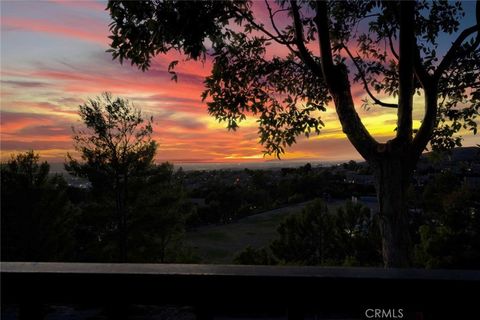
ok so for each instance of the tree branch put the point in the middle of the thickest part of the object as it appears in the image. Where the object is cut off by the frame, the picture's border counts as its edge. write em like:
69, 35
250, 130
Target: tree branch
453, 53
274, 26
406, 70
339, 87
425, 131
365, 83
392, 48
321, 20
278, 11
304, 54
420, 71
430, 84
279, 39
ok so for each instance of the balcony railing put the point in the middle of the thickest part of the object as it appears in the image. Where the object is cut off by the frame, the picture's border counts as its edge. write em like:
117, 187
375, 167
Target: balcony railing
213, 291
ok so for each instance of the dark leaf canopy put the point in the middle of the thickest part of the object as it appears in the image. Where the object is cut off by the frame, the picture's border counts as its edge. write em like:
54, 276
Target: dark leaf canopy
115, 142
143, 29
280, 91
286, 91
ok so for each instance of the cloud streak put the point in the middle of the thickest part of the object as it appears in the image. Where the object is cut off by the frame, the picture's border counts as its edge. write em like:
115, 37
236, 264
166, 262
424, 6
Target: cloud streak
43, 87
96, 34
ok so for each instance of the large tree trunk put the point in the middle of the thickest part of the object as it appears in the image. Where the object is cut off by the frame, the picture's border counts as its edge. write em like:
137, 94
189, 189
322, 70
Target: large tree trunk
394, 161
393, 174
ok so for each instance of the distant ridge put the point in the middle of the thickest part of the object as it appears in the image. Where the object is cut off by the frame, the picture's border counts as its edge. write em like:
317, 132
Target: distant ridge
456, 154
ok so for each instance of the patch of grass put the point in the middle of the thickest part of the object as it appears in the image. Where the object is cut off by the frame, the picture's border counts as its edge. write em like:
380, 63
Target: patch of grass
220, 243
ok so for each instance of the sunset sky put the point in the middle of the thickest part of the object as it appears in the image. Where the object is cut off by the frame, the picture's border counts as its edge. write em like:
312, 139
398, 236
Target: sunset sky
53, 58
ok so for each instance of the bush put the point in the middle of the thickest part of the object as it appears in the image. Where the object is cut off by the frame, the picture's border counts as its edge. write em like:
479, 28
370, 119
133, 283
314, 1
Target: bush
252, 256
317, 237
450, 235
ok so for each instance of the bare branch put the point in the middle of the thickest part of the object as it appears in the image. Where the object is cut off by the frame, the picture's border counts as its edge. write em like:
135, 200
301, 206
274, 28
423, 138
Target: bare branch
260, 27
272, 15
272, 20
392, 48
365, 83
278, 11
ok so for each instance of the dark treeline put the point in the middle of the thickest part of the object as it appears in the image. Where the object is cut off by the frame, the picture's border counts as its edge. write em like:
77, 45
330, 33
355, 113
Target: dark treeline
444, 220
133, 210
227, 195
46, 219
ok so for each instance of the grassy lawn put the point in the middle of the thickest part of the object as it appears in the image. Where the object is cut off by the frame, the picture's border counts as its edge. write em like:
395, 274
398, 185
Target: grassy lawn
220, 243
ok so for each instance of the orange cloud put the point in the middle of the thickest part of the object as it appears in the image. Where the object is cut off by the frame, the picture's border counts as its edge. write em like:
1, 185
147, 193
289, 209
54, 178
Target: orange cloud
12, 122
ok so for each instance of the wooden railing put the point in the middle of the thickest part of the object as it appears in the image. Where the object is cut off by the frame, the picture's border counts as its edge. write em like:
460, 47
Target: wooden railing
250, 291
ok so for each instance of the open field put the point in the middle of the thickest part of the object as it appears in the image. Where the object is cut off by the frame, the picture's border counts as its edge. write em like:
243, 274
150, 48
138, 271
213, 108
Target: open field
220, 243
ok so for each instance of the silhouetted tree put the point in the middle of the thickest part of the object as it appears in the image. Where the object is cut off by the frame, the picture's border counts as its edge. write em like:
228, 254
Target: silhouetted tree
318, 237
286, 92
115, 147
449, 236
357, 235
308, 238
37, 217
158, 225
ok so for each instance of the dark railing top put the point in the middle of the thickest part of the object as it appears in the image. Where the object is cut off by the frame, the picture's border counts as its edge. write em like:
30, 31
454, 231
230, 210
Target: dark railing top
232, 289
239, 271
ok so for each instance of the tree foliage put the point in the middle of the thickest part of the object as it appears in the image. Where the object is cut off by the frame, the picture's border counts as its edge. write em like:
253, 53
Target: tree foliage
319, 237
158, 223
284, 91
37, 217
114, 144
449, 234
308, 238
116, 148
391, 48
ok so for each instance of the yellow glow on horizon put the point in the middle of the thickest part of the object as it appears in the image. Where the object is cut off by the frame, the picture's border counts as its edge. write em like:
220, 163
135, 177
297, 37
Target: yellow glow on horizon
237, 156
45, 154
